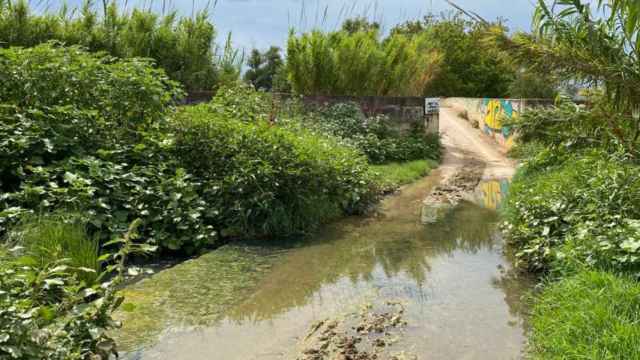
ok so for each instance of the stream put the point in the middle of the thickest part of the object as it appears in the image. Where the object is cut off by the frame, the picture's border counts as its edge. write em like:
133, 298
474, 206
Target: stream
251, 301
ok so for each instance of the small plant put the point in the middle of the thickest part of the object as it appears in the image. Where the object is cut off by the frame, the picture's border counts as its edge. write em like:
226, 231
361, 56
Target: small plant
49, 238
464, 114
46, 312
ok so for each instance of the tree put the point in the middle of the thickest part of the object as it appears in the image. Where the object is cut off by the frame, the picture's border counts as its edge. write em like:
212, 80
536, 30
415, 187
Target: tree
470, 67
263, 68
360, 24
601, 49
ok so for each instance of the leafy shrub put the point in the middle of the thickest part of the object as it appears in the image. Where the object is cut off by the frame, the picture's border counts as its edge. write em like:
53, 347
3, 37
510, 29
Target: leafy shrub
565, 125
129, 94
46, 312
41, 136
375, 138
86, 133
592, 315
581, 210
109, 195
269, 179
241, 102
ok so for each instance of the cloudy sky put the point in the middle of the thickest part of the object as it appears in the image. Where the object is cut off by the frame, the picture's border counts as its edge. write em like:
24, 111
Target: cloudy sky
261, 23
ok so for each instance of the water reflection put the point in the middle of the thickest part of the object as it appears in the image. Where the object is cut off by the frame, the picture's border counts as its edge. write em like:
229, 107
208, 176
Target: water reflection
492, 192
462, 298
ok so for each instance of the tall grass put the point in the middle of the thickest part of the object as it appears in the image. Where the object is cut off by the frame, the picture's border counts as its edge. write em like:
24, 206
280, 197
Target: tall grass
50, 238
359, 63
183, 46
593, 315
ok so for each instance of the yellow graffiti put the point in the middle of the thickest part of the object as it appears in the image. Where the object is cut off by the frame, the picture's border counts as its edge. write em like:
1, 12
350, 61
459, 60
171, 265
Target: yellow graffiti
496, 111
492, 193
493, 115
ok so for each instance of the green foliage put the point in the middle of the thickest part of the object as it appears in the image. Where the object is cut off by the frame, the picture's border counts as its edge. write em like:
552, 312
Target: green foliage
109, 195
242, 102
359, 24
592, 315
359, 63
567, 209
99, 148
567, 125
46, 312
393, 175
127, 93
469, 67
529, 84
269, 179
582, 46
264, 68
47, 239
182, 46
375, 137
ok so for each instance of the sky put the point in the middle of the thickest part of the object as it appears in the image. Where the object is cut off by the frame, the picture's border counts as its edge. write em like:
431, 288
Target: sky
262, 23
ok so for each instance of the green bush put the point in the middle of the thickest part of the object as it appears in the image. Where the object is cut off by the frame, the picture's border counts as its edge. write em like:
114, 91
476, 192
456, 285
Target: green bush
566, 125
592, 315
375, 137
182, 46
86, 133
47, 312
583, 209
128, 94
218, 169
110, 195
269, 179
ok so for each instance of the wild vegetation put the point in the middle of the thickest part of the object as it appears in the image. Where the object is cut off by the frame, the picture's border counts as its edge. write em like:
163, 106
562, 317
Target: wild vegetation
433, 56
92, 146
266, 70
375, 137
572, 210
183, 46
47, 310
359, 63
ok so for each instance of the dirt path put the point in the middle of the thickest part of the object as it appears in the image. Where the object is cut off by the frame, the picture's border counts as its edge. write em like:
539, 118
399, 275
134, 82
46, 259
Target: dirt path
465, 145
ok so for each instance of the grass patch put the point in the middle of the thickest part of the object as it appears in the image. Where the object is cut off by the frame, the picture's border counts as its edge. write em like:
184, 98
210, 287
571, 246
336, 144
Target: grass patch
48, 239
592, 315
397, 174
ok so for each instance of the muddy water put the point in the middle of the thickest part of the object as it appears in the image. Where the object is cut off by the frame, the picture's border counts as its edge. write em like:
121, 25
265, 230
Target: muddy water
462, 301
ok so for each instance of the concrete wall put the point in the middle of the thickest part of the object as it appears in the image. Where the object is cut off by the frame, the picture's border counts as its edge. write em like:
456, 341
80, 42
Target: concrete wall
489, 114
403, 111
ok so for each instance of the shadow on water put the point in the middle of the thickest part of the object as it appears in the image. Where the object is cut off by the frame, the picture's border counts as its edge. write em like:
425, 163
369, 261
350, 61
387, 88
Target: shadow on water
463, 301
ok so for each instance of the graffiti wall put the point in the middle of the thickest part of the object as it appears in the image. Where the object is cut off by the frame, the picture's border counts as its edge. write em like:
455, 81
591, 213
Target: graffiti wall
491, 116
496, 113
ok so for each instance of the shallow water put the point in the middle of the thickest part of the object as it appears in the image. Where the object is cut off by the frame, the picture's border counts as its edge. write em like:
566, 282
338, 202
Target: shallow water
462, 301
